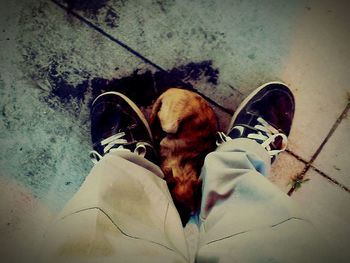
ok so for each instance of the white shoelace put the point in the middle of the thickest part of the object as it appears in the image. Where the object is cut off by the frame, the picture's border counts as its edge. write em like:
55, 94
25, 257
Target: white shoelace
117, 139
265, 133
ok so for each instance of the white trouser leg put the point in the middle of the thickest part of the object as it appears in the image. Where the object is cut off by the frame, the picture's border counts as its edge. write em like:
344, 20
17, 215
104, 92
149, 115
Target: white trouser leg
245, 218
123, 212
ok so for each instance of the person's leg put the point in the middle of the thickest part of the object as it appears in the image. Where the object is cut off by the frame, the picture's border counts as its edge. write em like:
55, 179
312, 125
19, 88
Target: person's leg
244, 217
123, 212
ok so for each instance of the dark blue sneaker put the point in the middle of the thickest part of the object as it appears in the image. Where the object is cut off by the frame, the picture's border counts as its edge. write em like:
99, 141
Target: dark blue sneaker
117, 124
265, 116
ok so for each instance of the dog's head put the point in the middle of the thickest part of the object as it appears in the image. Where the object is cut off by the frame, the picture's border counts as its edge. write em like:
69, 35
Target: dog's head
177, 110
173, 107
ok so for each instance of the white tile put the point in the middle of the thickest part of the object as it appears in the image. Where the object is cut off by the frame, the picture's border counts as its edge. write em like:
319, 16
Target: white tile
334, 159
318, 71
328, 207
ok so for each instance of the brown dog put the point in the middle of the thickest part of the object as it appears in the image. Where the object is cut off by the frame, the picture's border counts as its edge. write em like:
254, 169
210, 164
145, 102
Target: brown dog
184, 128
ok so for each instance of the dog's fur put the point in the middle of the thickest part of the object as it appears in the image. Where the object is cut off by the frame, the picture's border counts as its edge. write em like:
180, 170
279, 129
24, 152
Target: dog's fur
184, 127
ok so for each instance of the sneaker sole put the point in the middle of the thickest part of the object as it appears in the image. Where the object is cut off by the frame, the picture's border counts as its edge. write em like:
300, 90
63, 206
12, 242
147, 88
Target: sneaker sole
132, 105
247, 99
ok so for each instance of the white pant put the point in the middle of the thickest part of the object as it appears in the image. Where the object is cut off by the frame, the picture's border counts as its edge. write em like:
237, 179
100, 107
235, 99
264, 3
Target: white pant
123, 212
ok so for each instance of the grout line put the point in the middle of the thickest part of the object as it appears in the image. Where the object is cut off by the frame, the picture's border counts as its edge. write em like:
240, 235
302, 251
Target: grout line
296, 156
334, 127
101, 31
331, 179
137, 54
318, 171
308, 165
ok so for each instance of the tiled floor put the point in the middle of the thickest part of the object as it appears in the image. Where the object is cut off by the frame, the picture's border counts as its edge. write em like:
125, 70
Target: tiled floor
57, 55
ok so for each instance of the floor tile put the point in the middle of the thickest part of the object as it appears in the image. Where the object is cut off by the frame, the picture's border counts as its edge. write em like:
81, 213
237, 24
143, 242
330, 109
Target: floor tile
49, 69
334, 158
328, 207
318, 70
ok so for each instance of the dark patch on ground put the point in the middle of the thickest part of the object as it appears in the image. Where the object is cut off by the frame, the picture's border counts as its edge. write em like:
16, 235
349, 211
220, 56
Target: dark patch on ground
92, 9
142, 88
61, 89
164, 5
251, 56
197, 71
35, 166
91, 6
111, 18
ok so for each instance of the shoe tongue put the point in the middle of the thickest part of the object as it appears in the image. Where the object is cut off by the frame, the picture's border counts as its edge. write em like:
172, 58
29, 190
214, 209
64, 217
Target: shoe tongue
277, 143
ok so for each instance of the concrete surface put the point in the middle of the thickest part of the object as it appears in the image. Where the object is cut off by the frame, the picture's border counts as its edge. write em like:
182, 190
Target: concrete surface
56, 56
328, 208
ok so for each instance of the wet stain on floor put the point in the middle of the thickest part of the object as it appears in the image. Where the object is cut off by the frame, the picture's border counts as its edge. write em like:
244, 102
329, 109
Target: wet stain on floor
62, 89
141, 87
91, 6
